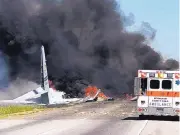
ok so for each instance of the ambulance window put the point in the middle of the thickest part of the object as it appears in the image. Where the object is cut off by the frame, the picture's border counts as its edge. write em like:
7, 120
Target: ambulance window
154, 84
166, 84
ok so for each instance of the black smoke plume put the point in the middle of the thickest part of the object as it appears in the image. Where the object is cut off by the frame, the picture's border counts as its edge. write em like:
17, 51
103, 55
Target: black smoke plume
85, 43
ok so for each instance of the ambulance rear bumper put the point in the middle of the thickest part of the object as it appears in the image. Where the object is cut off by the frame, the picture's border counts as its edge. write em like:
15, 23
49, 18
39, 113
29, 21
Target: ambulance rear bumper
158, 111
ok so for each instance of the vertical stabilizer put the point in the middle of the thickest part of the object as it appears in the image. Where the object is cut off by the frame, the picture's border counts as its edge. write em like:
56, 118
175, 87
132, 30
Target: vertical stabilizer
50, 96
47, 97
44, 74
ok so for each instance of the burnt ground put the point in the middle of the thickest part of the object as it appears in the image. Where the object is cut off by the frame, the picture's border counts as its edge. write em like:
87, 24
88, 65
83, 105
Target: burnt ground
117, 109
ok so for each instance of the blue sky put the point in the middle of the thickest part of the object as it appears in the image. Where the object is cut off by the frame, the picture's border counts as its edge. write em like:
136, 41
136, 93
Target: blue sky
163, 16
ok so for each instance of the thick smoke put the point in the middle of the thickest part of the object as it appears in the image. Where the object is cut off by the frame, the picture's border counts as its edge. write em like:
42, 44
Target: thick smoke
3, 72
85, 43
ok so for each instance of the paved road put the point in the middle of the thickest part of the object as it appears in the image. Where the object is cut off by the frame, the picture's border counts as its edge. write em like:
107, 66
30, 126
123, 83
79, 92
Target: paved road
89, 119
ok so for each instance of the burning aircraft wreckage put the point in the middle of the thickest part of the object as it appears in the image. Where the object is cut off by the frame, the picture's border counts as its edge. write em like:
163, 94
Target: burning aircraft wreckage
47, 94
93, 50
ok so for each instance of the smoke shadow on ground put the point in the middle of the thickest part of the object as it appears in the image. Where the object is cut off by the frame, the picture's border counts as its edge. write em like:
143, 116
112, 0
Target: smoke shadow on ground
154, 118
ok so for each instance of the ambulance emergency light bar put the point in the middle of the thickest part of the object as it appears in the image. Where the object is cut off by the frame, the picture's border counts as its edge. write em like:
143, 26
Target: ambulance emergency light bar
151, 74
165, 75
158, 74
169, 75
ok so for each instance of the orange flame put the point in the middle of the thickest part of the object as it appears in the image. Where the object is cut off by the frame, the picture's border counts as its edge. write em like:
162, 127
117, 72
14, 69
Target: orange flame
92, 91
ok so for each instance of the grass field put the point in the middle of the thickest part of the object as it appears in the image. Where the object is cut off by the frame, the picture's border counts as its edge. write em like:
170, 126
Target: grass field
6, 111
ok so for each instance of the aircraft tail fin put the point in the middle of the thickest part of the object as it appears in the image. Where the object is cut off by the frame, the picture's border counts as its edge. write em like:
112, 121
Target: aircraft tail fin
44, 73
46, 97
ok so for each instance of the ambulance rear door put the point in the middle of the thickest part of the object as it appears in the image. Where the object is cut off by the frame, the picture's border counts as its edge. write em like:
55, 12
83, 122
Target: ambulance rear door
160, 92
137, 86
167, 92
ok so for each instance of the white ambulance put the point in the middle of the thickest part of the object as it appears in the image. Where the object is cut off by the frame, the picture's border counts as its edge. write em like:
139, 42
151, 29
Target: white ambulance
158, 92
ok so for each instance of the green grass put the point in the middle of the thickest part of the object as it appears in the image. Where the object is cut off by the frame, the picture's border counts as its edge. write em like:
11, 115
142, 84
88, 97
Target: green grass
18, 109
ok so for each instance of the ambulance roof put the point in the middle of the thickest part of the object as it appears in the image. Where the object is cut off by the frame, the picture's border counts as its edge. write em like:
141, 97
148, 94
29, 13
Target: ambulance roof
163, 71
159, 74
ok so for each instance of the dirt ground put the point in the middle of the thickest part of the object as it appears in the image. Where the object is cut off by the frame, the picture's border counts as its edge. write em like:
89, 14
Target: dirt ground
94, 110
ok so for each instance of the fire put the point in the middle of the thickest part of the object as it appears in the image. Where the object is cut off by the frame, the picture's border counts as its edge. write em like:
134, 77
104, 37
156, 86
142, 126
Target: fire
51, 85
91, 91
